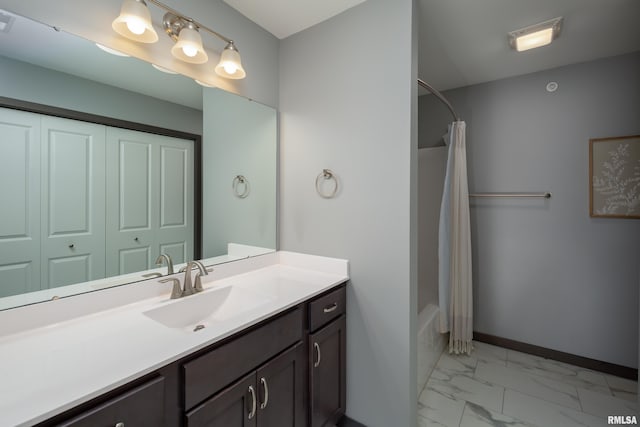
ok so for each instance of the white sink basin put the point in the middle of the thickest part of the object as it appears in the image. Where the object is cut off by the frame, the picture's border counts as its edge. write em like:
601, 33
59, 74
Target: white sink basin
203, 309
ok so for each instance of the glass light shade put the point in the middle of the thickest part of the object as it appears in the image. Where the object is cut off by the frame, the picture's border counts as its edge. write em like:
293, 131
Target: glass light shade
134, 22
230, 65
533, 40
189, 48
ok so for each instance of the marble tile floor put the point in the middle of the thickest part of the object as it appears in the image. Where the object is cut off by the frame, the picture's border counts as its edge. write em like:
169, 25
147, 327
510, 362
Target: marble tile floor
497, 387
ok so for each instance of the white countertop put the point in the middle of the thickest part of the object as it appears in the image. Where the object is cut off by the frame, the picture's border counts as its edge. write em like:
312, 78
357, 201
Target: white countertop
55, 355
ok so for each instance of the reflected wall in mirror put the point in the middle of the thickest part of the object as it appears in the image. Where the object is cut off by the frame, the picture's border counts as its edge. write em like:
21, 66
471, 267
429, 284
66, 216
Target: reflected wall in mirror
240, 167
112, 198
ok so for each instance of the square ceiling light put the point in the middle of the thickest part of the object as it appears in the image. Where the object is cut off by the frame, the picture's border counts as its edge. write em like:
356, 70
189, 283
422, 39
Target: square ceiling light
536, 35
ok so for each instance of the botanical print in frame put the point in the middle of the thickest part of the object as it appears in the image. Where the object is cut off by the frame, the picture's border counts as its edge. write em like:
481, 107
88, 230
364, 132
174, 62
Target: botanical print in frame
614, 177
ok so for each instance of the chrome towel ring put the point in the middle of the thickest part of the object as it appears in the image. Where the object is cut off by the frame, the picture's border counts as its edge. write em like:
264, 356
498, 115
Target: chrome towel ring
240, 182
327, 174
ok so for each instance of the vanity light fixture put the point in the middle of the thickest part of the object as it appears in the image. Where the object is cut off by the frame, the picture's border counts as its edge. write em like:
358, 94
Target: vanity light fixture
537, 35
184, 31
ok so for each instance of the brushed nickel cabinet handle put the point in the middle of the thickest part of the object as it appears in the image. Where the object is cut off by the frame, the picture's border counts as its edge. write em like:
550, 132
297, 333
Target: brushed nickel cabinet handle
318, 354
120, 424
252, 413
266, 393
330, 308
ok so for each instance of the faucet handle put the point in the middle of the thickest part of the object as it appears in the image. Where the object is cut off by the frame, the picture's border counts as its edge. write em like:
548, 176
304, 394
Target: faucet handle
188, 287
198, 283
177, 290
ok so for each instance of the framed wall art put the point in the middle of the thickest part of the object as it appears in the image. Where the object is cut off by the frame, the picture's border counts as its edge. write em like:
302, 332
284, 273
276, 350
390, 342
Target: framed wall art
614, 177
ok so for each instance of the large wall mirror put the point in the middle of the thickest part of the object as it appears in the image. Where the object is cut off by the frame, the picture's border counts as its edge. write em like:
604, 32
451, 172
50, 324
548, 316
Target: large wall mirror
106, 163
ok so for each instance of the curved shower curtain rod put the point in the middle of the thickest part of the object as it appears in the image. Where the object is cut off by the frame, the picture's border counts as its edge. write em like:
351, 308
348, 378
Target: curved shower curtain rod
441, 97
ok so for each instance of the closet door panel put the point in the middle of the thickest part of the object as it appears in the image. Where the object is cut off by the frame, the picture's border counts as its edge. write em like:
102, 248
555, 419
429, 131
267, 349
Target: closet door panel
72, 208
175, 228
20, 207
149, 200
130, 202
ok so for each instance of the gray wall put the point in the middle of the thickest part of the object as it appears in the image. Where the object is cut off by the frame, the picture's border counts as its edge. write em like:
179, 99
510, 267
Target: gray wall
545, 272
28, 82
240, 138
346, 104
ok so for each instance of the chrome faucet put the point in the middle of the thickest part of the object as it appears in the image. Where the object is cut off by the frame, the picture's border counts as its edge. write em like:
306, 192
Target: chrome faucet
166, 258
187, 288
190, 289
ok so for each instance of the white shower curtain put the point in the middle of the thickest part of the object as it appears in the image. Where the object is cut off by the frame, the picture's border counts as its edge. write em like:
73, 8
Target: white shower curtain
454, 247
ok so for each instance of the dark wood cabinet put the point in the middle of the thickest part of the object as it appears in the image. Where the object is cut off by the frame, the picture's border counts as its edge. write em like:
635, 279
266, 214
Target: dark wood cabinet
287, 371
213, 370
142, 406
271, 396
327, 378
233, 407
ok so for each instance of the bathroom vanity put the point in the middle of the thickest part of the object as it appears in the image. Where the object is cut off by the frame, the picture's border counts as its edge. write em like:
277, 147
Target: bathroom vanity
262, 345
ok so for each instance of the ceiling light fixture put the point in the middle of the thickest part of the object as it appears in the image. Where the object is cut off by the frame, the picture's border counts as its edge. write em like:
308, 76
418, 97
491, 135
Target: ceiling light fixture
134, 23
537, 35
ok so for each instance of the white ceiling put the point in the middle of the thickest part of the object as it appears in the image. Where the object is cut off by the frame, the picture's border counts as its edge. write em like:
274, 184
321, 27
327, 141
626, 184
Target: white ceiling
283, 18
464, 42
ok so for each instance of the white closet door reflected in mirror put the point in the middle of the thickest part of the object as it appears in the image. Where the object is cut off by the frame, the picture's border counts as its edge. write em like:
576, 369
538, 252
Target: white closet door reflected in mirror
149, 200
84, 201
20, 208
72, 205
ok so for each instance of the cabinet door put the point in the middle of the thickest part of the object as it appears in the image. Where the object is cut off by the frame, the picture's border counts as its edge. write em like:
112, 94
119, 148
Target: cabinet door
327, 358
20, 207
72, 208
236, 406
281, 392
140, 407
149, 200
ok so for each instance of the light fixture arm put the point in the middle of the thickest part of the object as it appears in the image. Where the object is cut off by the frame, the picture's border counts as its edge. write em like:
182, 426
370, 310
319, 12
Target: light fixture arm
186, 19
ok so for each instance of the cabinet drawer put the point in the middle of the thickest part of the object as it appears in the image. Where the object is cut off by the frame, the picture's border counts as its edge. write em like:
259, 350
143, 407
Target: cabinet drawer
142, 406
215, 370
327, 307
